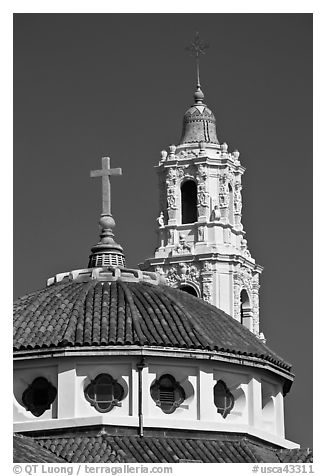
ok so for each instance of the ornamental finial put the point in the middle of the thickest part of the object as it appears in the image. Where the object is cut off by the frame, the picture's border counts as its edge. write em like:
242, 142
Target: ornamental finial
197, 48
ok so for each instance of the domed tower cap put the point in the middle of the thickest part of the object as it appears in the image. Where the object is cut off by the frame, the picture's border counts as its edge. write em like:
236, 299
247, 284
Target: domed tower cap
199, 123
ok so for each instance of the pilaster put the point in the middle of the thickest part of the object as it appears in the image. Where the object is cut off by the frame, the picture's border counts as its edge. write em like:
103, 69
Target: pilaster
67, 389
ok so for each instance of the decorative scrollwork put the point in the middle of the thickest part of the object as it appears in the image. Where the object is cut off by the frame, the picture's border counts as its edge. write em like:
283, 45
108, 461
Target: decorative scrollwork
171, 198
182, 273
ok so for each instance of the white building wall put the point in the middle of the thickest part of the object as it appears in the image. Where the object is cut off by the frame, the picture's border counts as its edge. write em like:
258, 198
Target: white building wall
258, 407
217, 243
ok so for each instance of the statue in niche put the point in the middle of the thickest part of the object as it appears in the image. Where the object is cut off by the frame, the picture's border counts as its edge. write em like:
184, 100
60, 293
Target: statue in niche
237, 207
223, 184
237, 198
201, 233
216, 214
202, 195
182, 247
171, 198
160, 220
223, 195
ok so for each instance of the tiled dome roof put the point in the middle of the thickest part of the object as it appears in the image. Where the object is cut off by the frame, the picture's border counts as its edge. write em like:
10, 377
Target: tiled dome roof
101, 313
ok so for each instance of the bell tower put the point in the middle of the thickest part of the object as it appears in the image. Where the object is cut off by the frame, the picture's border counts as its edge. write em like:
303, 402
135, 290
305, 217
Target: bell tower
201, 241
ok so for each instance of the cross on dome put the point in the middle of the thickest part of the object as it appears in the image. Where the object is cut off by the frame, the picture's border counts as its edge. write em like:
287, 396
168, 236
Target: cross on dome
107, 252
105, 173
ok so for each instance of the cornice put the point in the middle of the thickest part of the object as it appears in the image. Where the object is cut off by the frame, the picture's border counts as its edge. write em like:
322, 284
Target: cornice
146, 351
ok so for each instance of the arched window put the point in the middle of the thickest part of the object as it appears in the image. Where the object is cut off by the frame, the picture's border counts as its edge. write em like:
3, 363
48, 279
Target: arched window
39, 396
223, 399
231, 205
189, 201
245, 310
167, 393
104, 393
187, 288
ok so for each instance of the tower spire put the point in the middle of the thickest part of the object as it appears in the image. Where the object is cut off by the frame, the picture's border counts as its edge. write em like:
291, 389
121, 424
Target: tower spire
107, 252
197, 48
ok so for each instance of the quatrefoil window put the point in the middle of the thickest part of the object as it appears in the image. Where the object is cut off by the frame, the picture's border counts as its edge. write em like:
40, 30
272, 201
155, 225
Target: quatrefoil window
223, 399
39, 396
167, 393
104, 393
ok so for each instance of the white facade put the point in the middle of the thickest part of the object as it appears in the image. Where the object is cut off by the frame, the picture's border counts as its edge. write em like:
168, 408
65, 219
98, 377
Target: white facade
209, 255
258, 405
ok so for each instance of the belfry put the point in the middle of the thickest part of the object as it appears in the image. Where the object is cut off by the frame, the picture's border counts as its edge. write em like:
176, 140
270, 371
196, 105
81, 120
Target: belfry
201, 241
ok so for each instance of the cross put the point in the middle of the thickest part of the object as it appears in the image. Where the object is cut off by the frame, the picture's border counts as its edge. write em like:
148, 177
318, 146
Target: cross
105, 173
197, 48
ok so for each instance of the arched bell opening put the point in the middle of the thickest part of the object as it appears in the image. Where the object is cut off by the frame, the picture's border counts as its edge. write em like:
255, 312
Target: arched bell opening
188, 288
189, 212
245, 309
231, 205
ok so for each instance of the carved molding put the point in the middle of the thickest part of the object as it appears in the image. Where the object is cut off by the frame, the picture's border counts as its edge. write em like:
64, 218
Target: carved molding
202, 172
171, 176
224, 192
171, 198
237, 198
207, 285
244, 277
182, 272
207, 266
202, 195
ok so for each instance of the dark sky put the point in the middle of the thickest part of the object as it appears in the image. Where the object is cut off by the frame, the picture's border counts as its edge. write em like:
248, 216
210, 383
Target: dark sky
90, 85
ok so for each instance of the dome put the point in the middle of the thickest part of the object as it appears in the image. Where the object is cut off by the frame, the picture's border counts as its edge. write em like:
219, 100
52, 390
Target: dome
199, 124
80, 311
